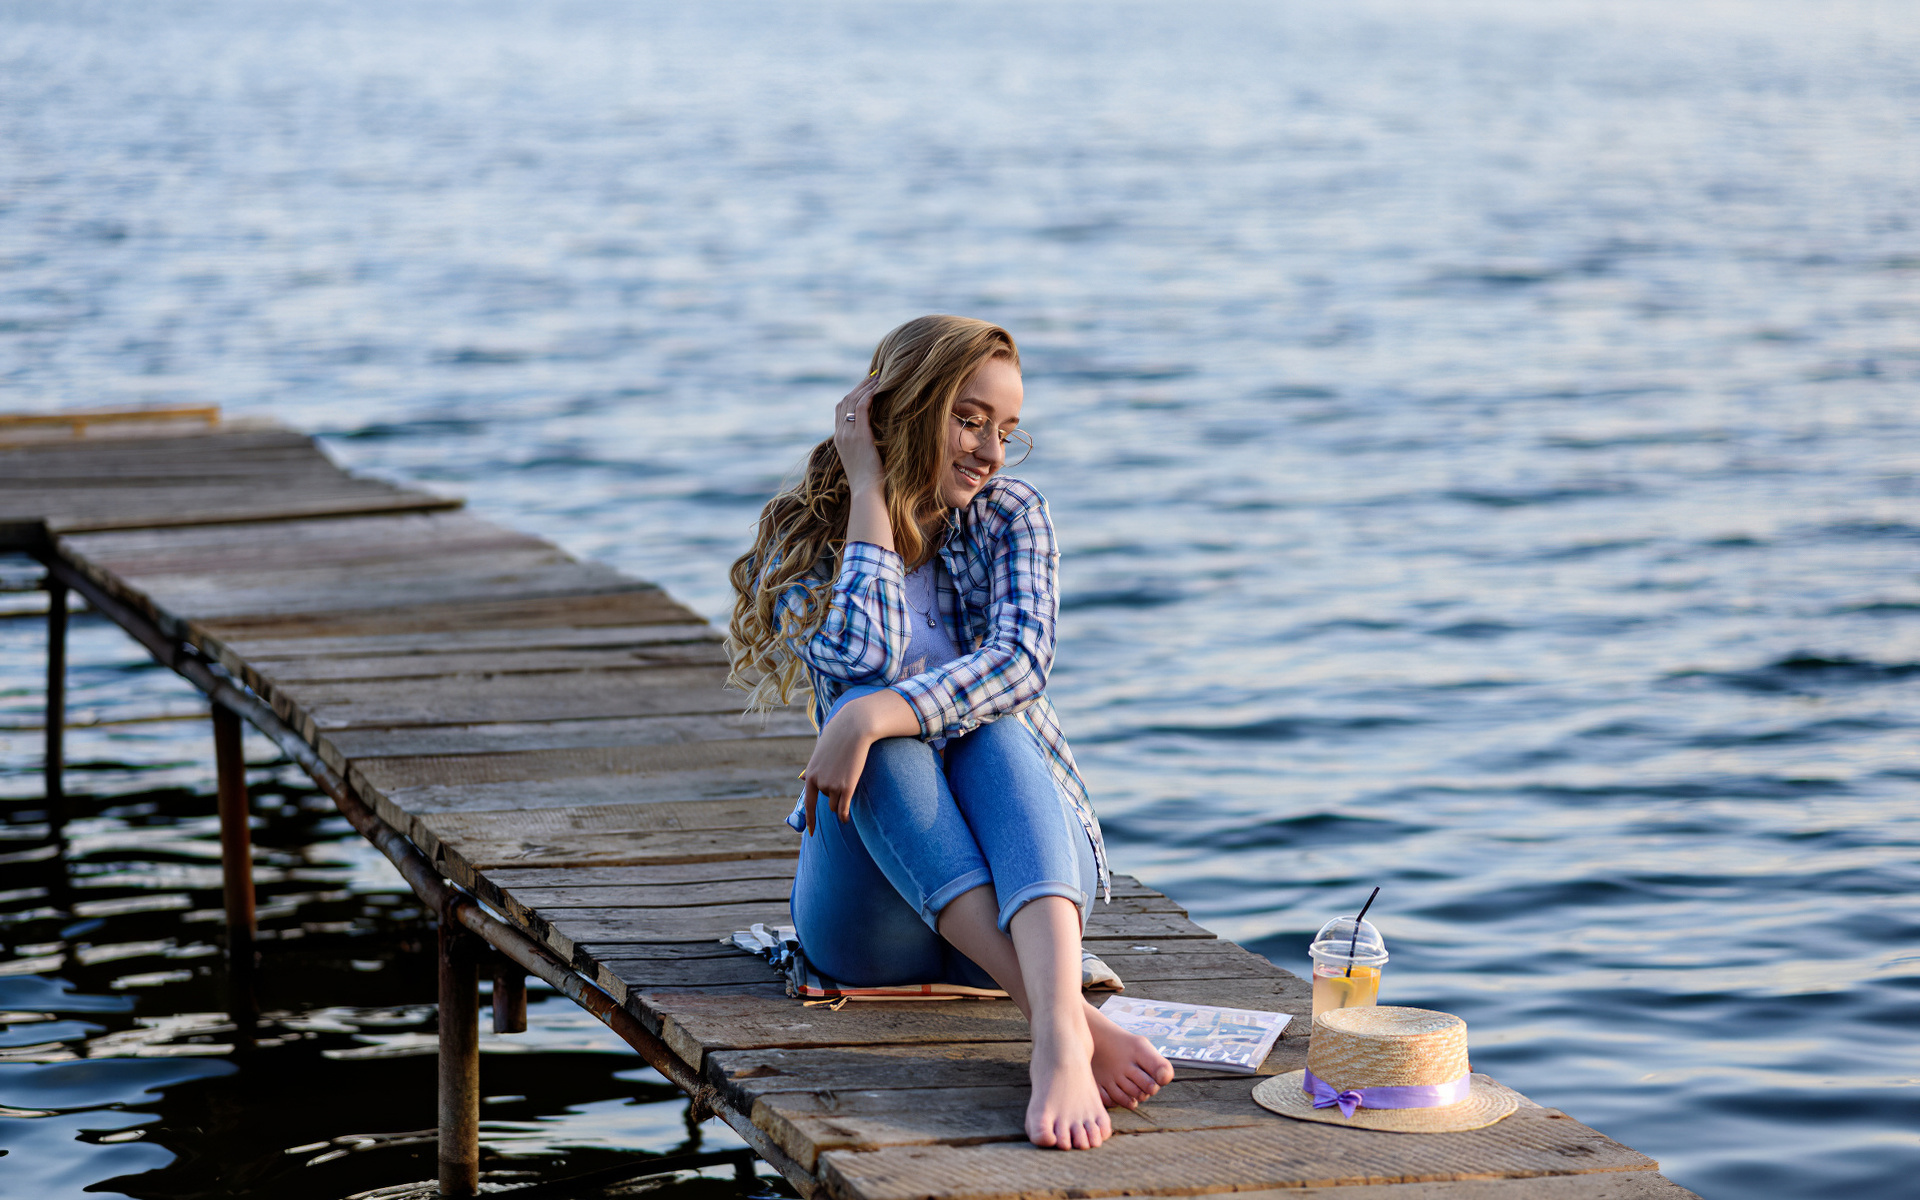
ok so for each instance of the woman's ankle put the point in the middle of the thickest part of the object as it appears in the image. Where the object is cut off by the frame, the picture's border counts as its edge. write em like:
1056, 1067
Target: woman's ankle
1067, 1027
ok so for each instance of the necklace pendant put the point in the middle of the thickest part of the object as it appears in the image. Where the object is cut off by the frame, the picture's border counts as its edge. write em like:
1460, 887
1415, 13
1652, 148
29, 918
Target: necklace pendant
930, 624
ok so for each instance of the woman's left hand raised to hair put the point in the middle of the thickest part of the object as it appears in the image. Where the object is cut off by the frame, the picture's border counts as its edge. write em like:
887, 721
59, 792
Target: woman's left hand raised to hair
867, 519
840, 755
854, 438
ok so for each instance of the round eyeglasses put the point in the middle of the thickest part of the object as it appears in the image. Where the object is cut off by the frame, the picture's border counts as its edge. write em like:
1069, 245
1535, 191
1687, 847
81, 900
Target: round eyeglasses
1017, 443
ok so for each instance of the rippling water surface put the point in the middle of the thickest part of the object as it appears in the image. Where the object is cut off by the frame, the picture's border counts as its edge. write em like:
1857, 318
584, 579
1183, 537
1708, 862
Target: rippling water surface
1483, 438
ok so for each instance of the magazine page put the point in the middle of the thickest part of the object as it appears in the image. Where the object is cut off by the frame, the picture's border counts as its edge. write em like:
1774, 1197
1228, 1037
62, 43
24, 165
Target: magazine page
1224, 1039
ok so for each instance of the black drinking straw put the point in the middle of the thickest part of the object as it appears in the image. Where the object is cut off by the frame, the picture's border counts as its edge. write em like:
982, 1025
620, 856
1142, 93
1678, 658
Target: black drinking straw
1352, 945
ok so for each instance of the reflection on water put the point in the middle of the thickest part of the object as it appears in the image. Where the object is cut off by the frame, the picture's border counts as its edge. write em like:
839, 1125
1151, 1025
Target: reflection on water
1480, 434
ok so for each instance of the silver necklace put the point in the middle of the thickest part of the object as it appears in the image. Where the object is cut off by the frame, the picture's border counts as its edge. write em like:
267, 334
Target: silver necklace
931, 622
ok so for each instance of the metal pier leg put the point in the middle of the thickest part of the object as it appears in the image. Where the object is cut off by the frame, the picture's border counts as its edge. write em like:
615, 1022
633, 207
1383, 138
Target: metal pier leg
459, 1060
56, 701
236, 839
509, 995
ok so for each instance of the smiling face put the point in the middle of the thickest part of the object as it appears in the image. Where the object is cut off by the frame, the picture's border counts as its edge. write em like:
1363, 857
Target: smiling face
992, 395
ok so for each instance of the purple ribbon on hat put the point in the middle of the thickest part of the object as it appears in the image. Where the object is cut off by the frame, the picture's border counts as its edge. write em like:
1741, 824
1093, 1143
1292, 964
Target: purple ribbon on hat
1412, 1095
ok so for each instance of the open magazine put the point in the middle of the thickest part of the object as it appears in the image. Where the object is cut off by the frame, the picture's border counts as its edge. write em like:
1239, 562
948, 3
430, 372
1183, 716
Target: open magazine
1201, 1035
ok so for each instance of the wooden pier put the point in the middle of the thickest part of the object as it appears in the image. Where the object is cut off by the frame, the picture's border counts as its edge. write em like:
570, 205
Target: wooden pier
543, 748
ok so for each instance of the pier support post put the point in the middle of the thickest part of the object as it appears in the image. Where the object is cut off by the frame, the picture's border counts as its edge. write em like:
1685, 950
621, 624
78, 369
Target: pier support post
236, 839
509, 995
459, 1057
56, 761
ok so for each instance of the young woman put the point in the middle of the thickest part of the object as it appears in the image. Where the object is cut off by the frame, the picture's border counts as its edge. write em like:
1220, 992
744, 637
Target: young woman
911, 588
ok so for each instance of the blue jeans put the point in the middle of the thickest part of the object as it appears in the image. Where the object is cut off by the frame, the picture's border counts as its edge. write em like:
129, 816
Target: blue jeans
926, 828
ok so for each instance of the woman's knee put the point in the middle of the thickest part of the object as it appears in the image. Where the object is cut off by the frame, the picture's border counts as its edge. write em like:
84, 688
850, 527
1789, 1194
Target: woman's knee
902, 752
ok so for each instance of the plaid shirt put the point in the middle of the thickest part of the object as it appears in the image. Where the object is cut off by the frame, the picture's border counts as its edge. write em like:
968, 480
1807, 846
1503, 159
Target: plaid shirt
999, 593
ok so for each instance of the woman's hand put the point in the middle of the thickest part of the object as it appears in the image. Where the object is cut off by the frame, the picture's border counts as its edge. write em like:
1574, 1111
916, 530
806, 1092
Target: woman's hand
854, 438
867, 519
840, 756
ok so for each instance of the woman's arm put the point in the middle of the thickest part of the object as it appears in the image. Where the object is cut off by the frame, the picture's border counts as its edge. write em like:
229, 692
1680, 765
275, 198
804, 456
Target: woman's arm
866, 608
840, 754
867, 519
1007, 673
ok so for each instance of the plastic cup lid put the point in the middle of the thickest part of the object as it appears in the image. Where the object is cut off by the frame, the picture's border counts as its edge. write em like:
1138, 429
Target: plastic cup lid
1339, 941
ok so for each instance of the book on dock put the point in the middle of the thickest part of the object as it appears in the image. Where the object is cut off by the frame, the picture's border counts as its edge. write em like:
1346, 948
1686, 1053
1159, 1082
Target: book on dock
1201, 1035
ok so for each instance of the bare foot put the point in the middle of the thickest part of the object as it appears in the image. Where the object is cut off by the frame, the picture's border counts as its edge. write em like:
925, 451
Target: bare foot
1126, 1067
1065, 1112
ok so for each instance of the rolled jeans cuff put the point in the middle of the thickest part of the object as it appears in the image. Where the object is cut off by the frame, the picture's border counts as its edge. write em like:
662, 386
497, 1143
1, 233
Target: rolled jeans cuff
1044, 887
936, 903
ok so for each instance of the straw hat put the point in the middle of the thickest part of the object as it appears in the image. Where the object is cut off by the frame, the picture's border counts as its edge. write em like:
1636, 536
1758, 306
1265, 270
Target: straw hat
1370, 1060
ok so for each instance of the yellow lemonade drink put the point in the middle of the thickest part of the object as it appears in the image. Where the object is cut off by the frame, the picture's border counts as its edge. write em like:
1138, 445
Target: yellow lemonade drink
1333, 988
1348, 955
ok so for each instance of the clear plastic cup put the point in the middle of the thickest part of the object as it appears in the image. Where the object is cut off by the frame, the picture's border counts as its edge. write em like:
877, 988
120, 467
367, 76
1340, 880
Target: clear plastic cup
1347, 957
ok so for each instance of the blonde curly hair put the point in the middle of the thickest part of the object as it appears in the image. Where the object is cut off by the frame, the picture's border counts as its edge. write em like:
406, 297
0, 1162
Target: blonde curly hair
922, 365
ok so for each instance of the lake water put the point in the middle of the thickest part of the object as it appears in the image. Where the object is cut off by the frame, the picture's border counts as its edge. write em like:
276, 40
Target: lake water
1482, 435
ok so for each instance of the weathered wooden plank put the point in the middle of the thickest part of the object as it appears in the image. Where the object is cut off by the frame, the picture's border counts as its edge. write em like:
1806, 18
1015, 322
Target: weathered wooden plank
212, 493
785, 754
805, 1124
643, 605
610, 791
675, 951
772, 889
651, 974
134, 508
809, 1123
435, 642
285, 594
1608, 1185
232, 439
565, 928
126, 502
290, 672
70, 474
461, 861
372, 540
1276, 1153
193, 589
660, 832
557, 825
743, 1076
306, 535
242, 508
1105, 922
641, 876
695, 1025
1230, 962
471, 699
226, 444
339, 746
